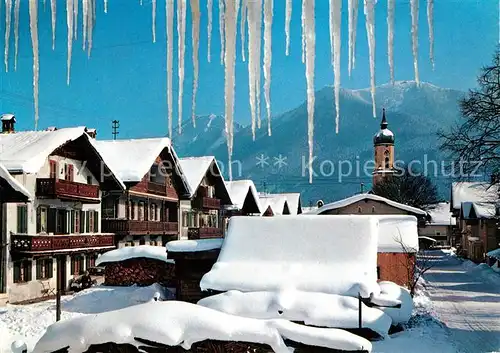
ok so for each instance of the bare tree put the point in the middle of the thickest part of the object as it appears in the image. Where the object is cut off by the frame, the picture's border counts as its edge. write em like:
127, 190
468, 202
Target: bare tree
475, 141
415, 262
408, 187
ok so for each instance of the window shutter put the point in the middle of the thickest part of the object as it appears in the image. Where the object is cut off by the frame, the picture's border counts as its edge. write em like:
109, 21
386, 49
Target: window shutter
19, 219
72, 222
17, 271
38, 220
96, 222
50, 269
87, 221
71, 172
28, 271
39, 268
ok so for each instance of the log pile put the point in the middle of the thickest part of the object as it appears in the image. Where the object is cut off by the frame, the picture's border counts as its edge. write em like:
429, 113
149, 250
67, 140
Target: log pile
139, 271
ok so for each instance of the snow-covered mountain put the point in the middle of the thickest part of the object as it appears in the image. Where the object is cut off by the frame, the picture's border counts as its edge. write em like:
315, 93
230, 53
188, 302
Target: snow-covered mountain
414, 114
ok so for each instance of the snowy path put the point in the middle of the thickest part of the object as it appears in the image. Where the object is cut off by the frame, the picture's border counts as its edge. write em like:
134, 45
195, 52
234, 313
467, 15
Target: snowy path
467, 302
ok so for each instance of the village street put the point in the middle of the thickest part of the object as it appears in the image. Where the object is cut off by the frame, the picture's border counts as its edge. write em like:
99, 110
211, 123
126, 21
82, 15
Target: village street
467, 300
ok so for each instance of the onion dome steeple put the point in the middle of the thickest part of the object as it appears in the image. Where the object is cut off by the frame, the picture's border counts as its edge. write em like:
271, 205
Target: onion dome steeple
384, 136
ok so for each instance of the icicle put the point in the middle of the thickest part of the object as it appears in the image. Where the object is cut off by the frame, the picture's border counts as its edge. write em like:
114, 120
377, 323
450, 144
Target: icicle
231, 16
430, 22
69, 20
105, 6
53, 7
253, 58
370, 32
414, 37
75, 21
16, 31
288, 18
310, 36
258, 45
153, 5
90, 25
8, 16
335, 26
244, 5
303, 19
221, 30
33, 9
209, 27
268, 24
390, 36
195, 34
85, 5
169, 5
181, 35
352, 9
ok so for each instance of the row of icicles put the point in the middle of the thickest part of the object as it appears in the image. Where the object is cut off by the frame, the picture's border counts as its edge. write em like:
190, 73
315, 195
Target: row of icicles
252, 13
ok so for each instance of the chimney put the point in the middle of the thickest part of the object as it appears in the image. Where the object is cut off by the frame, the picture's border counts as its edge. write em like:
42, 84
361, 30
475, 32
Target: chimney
91, 132
8, 122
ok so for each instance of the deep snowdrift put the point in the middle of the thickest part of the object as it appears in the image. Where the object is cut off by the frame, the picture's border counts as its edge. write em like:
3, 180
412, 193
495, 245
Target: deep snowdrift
130, 252
316, 309
178, 323
298, 252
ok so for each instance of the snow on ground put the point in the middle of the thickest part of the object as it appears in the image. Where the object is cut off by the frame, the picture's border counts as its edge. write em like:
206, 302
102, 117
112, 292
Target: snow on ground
29, 322
466, 298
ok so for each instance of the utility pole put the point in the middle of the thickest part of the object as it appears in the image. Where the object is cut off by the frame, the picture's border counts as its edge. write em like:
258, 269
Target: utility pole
115, 125
59, 286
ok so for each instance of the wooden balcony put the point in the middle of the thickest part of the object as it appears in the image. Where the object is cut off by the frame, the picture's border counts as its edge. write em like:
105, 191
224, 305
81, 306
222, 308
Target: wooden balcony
62, 189
127, 227
207, 203
204, 233
46, 243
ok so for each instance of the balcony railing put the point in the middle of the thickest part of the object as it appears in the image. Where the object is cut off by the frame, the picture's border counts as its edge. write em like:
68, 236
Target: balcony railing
128, 227
204, 233
59, 188
161, 189
37, 243
207, 203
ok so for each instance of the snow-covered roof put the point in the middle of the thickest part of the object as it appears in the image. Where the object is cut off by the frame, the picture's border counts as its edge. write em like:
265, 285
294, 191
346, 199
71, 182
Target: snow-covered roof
478, 210
27, 151
441, 215
131, 252
276, 201
6, 117
300, 252
194, 245
309, 209
422, 237
174, 323
131, 159
353, 199
397, 233
465, 191
294, 204
195, 169
13, 183
494, 253
313, 309
239, 189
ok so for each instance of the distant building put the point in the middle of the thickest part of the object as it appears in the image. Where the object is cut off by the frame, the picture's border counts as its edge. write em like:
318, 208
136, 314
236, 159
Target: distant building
383, 142
440, 224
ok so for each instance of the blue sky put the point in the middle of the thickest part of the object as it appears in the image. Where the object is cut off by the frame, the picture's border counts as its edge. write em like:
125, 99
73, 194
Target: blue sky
125, 77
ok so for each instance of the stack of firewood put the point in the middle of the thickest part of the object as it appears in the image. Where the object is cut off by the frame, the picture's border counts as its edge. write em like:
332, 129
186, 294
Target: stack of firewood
139, 271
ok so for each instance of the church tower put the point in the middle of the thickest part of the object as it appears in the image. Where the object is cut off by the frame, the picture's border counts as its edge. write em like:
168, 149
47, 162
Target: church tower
383, 142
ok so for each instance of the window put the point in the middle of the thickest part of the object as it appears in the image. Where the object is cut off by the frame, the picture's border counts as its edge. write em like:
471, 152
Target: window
359, 209
22, 219
373, 209
140, 211
132, 210
77, 265
92, 222
69, 172
41, 219
142, 241
22, 271
44, 269
53, 169
152, 213
438, 233
89, 179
